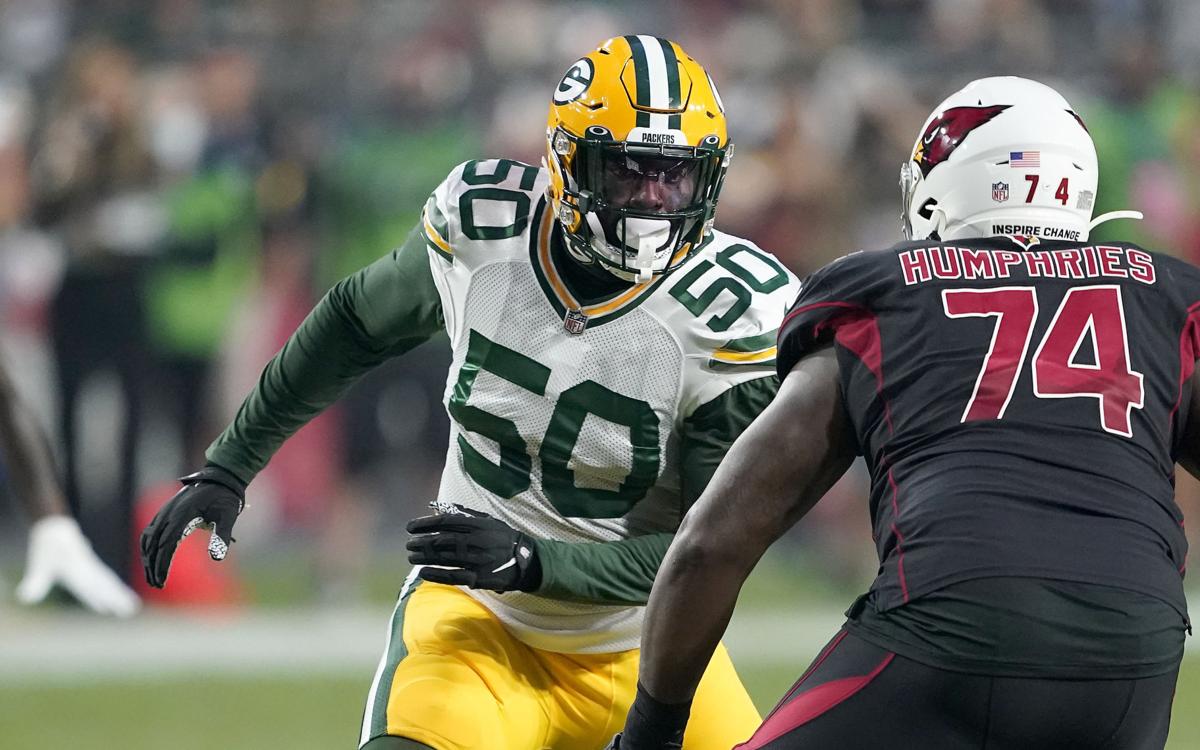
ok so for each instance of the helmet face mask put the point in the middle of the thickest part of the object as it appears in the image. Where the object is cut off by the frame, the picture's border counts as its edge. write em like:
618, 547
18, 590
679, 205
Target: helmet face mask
637, 153
910, 175
1003, 155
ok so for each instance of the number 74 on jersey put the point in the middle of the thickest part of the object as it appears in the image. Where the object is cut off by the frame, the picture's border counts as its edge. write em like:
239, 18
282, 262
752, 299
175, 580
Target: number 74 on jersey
1094, 312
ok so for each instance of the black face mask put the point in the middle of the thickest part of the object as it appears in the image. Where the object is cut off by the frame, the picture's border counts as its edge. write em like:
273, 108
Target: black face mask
648, 183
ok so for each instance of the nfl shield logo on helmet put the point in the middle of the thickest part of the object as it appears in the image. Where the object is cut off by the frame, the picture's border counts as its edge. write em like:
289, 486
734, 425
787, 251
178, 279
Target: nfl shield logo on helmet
575, 322
1000, 191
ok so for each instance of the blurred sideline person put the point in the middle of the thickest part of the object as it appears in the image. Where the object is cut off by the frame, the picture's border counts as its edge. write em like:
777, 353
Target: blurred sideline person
95, 180
1021, 398
58, 551
608, 347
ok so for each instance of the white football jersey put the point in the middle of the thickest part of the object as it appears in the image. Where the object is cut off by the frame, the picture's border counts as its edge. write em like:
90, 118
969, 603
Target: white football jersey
565, 416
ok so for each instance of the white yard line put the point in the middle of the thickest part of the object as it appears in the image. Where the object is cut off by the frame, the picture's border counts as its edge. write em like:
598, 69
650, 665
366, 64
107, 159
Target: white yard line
40, 647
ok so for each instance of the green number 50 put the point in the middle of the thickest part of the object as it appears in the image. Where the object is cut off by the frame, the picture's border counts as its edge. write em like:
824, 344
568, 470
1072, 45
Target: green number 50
511, 474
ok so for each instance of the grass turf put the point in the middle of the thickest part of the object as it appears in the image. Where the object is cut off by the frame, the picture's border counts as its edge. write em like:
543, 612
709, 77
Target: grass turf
296, 712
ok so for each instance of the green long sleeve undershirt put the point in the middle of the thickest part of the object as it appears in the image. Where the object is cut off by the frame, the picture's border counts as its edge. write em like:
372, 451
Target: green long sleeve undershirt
380, 312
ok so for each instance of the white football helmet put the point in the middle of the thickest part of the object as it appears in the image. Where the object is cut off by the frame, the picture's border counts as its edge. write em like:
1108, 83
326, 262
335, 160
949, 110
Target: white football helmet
1004, 155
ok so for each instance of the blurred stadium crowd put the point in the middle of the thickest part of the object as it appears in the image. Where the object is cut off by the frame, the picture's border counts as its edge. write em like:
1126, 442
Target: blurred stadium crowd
180, 180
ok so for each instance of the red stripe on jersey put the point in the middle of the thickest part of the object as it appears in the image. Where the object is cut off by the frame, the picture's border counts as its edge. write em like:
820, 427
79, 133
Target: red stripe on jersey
899, 537
1189, 350
857, 329
811, 704
829, 649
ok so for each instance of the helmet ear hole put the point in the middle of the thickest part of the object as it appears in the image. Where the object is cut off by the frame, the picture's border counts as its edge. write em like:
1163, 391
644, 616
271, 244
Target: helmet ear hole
926, 209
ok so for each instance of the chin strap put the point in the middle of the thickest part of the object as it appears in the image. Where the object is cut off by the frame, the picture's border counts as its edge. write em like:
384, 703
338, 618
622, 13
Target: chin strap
1111, 215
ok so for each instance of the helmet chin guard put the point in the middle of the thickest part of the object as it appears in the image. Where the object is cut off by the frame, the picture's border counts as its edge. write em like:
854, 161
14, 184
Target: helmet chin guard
649, 241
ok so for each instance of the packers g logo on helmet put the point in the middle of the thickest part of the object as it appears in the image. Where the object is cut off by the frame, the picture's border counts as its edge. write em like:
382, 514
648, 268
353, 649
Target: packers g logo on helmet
635, 111
576, 81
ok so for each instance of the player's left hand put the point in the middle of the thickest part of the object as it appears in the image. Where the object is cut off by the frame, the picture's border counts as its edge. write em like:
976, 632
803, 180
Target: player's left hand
475, 550
60, 554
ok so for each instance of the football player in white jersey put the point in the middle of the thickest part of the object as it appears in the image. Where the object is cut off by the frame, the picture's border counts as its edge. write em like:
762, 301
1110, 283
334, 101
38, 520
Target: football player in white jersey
608, 347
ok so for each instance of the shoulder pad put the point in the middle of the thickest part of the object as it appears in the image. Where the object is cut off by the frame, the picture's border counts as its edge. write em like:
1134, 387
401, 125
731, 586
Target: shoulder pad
731, 296
478, 204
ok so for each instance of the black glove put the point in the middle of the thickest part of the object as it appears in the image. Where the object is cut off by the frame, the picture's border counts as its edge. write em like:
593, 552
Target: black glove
211, 497
652, 724
618, 744
474, 550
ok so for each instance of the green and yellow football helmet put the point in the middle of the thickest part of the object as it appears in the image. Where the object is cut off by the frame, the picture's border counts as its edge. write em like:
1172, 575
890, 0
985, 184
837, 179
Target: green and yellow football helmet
637, 149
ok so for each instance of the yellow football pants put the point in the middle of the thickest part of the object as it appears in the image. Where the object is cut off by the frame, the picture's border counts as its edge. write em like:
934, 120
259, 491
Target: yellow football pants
455, 679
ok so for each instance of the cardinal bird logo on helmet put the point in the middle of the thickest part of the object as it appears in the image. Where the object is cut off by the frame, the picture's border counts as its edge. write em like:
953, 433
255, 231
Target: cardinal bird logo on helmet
947, 130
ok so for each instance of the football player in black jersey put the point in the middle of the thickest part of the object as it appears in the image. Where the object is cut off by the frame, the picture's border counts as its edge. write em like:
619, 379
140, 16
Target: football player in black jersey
1021, 396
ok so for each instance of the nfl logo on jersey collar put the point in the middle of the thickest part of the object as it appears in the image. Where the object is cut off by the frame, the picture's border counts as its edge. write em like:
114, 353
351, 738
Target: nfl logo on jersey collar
575, 321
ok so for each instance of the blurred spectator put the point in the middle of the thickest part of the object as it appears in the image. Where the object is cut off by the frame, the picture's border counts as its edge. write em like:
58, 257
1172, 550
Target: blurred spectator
209, 174
210, 256
93, 178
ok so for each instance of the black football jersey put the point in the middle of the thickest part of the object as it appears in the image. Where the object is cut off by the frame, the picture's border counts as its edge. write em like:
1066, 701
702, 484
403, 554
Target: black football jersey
1019, 408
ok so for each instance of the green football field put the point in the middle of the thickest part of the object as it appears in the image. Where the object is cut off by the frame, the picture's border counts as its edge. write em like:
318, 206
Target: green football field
295, 674
293, 713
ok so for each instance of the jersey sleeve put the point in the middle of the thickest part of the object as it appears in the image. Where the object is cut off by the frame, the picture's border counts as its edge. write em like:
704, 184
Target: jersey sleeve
736, 295
477, 204
839, 293
733, 300
479, 201
382, 311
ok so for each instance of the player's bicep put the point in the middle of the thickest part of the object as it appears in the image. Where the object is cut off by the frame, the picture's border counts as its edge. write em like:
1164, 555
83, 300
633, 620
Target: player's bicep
391, 305
1189, 448
781, 465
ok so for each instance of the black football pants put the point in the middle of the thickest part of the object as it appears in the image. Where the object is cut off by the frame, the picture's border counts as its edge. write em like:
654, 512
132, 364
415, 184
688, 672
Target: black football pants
858, 696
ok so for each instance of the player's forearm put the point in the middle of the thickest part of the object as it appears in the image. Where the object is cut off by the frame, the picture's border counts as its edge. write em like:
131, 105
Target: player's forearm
688, 611
697, 586
775, 472
620, 572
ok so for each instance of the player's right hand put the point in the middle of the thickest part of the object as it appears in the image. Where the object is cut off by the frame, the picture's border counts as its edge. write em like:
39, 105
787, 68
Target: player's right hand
212, 497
